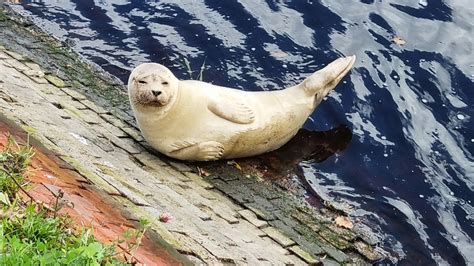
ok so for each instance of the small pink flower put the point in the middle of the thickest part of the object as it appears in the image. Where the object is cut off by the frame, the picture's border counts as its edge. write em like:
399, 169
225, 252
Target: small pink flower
165, 217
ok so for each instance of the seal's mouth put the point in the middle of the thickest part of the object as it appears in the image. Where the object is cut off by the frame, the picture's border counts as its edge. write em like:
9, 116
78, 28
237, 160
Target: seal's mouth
151, 98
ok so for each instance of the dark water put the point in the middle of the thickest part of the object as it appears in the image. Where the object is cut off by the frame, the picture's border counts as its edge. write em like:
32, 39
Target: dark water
409, 167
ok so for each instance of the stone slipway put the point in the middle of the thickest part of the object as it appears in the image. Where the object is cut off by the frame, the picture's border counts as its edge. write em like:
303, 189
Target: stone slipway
227, 217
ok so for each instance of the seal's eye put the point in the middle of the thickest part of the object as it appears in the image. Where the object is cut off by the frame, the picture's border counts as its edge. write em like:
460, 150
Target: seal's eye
164, 83
142, 82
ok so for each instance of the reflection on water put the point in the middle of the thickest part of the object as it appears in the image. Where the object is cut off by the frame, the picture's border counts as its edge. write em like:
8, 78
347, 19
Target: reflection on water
409, 166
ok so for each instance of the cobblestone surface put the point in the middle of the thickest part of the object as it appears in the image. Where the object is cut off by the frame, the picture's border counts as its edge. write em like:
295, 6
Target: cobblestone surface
225, 216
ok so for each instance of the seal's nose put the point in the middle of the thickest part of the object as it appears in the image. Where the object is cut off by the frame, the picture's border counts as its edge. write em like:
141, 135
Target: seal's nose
156, 92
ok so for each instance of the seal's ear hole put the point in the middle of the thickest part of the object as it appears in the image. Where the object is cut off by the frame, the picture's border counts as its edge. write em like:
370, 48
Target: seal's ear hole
164, 83
142, 82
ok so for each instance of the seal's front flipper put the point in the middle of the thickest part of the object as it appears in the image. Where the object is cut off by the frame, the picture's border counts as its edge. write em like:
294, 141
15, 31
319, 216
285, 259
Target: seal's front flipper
203, 151
323, 81
234, 110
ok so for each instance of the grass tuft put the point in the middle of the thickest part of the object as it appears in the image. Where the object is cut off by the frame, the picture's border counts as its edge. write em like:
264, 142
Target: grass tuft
34, 234
187, 66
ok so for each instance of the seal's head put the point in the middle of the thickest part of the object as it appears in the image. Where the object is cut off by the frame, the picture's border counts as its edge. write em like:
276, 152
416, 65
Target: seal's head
153, 85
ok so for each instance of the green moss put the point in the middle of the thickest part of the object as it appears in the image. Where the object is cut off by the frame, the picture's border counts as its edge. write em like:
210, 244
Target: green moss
3, 16
55, 81
97, 180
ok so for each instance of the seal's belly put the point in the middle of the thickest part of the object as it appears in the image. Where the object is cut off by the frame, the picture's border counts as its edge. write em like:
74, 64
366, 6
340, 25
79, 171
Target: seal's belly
275, 124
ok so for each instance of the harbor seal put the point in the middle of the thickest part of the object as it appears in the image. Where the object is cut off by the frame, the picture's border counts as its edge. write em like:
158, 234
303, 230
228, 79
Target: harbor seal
198, 121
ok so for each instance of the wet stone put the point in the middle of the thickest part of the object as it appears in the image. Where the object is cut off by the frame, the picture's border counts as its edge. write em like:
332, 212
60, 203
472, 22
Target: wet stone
364, 232
266, 191
335, 253
334, 239
308, 258
342, 232
367, 251
276, 235
198, 180
306, 221
180, 166
55, 81
228, 177
266, 215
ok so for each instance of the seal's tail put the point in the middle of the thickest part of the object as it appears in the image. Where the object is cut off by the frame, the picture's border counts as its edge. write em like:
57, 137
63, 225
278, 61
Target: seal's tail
321, 82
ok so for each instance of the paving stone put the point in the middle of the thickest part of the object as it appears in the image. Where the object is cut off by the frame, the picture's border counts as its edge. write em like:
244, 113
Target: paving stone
335, 254
94, 107
125, 144
191, 246
4, 56
180, 166
89, 116
347, 234
74, 94
292, 260
307, 221
38, 80
178, 188
225, 214
252, 218
67, 100
104, 144
266, 191
112, 129
90, 176
16, 56
113, 120
308, 258
33, 66
150, 160
329, 262
276, 235
16, 65
31, 73
198, 180
135, 134
55, 81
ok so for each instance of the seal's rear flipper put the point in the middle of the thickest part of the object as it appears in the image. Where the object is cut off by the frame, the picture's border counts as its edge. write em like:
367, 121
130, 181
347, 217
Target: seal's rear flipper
323, 81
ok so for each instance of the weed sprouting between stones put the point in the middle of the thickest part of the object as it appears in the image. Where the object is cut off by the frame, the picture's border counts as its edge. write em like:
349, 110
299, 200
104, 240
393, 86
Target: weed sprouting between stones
187, 65
35, 234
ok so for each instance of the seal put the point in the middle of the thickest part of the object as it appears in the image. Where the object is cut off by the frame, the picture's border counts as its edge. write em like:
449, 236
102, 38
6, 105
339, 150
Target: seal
198, 121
